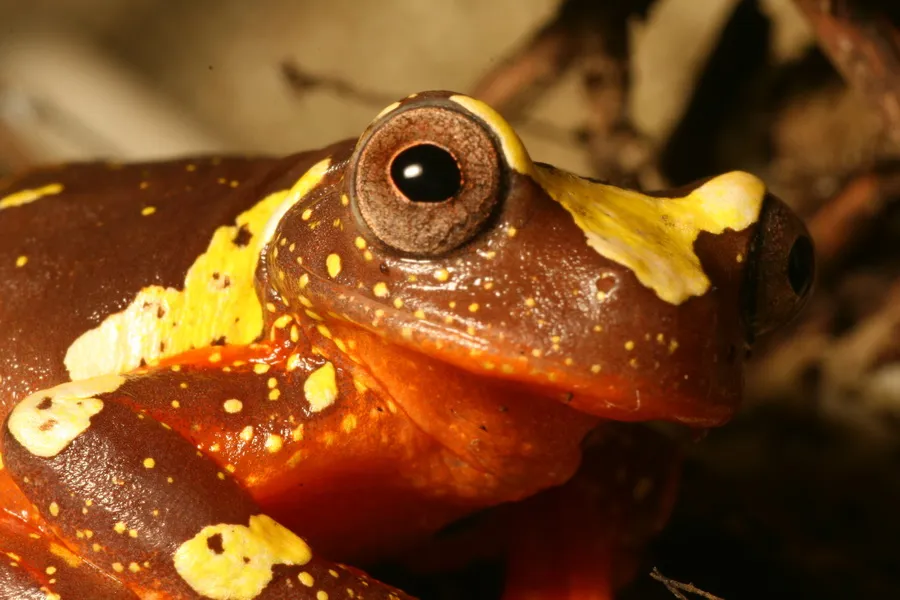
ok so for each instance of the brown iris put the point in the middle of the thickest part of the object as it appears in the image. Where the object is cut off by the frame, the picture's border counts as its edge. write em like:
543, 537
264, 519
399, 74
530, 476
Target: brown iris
425, 178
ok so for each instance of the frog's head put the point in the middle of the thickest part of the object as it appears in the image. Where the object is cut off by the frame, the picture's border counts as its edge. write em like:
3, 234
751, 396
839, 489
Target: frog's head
436, 232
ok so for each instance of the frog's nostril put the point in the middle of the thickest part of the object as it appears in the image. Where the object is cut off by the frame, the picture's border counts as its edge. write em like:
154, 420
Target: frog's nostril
801, 264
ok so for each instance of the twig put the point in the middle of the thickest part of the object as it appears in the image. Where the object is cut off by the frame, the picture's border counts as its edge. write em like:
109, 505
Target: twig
676, 587
853, 210
864, 45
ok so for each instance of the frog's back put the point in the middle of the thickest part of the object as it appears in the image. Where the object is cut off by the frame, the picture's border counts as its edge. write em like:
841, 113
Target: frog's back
78, 243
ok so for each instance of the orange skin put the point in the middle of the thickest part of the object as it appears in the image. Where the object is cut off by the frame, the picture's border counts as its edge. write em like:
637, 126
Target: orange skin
402, 378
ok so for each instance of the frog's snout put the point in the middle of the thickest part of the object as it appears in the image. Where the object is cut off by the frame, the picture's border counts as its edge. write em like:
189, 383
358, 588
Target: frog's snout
781, 274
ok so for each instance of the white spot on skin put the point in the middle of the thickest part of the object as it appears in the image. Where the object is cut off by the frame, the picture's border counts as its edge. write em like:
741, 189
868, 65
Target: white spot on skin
244, 566
320, 388
46, 422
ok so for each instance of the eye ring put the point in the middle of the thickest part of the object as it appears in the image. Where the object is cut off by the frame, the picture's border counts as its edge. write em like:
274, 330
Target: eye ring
416, 213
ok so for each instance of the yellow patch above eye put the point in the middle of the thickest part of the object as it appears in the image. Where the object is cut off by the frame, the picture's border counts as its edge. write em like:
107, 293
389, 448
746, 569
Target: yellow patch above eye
513, 149
46, 422
654, 237
238, 564
206, 309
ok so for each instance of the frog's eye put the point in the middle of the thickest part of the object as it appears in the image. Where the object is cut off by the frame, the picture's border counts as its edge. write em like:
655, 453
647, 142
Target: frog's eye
783, 271
426, 179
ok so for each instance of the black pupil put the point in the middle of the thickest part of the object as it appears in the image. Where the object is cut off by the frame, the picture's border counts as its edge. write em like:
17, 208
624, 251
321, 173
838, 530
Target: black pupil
800, 265
426, 173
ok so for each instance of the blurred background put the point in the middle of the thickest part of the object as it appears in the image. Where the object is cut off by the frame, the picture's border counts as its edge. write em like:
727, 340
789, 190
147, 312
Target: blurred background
795, 499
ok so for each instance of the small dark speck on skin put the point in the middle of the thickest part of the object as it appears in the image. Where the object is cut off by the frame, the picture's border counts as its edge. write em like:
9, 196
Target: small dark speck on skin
504, 409
383, 268
568, 397
45, 403
214, 543
219, 341
483, 428
242, 237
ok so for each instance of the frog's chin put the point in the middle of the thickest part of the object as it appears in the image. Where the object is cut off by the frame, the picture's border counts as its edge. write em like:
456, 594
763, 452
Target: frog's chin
604, 393
629, 402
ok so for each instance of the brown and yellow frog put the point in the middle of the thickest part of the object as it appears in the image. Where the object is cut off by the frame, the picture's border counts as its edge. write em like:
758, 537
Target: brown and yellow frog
211, 367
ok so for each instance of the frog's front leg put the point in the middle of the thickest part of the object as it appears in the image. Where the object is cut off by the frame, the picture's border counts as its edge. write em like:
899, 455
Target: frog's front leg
583, 540
128, 493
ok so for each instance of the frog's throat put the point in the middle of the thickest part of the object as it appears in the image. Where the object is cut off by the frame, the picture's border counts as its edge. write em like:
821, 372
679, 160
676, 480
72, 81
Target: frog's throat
653, 237
164, 321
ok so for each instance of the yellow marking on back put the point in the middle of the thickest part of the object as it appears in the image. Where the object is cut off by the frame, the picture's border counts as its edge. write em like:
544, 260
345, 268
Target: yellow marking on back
320, 388
243, 568
654, 237
46, 422
513, 148
28, 196
205, 309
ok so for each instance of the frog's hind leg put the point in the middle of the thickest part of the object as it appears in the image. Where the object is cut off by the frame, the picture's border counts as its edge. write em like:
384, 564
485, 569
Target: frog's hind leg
34, 566
582, 541
129, 494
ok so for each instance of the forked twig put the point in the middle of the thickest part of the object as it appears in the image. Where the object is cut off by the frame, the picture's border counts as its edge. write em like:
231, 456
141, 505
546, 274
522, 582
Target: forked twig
677, 587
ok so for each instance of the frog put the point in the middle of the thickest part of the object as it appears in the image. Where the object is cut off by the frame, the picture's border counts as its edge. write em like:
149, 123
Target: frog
212, 366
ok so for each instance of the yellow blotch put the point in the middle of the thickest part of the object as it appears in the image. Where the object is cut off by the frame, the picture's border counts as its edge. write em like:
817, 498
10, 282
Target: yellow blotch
333, 264
46, 422
27, 196
244, 567
629, 345
306, 579
233, 406
261, 368
22, 261
349, 423
320, 388
54, 509
380, 290
203, 312
360, 243
149, 463
654, 237
148, 210
442, 275
274, 443
516, 156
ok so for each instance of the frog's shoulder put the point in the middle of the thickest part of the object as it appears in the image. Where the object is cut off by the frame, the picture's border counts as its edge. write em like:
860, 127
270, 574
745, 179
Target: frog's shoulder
80, 242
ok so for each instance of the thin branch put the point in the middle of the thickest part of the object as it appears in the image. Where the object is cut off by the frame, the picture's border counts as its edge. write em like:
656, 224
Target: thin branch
676, 587
864, 45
